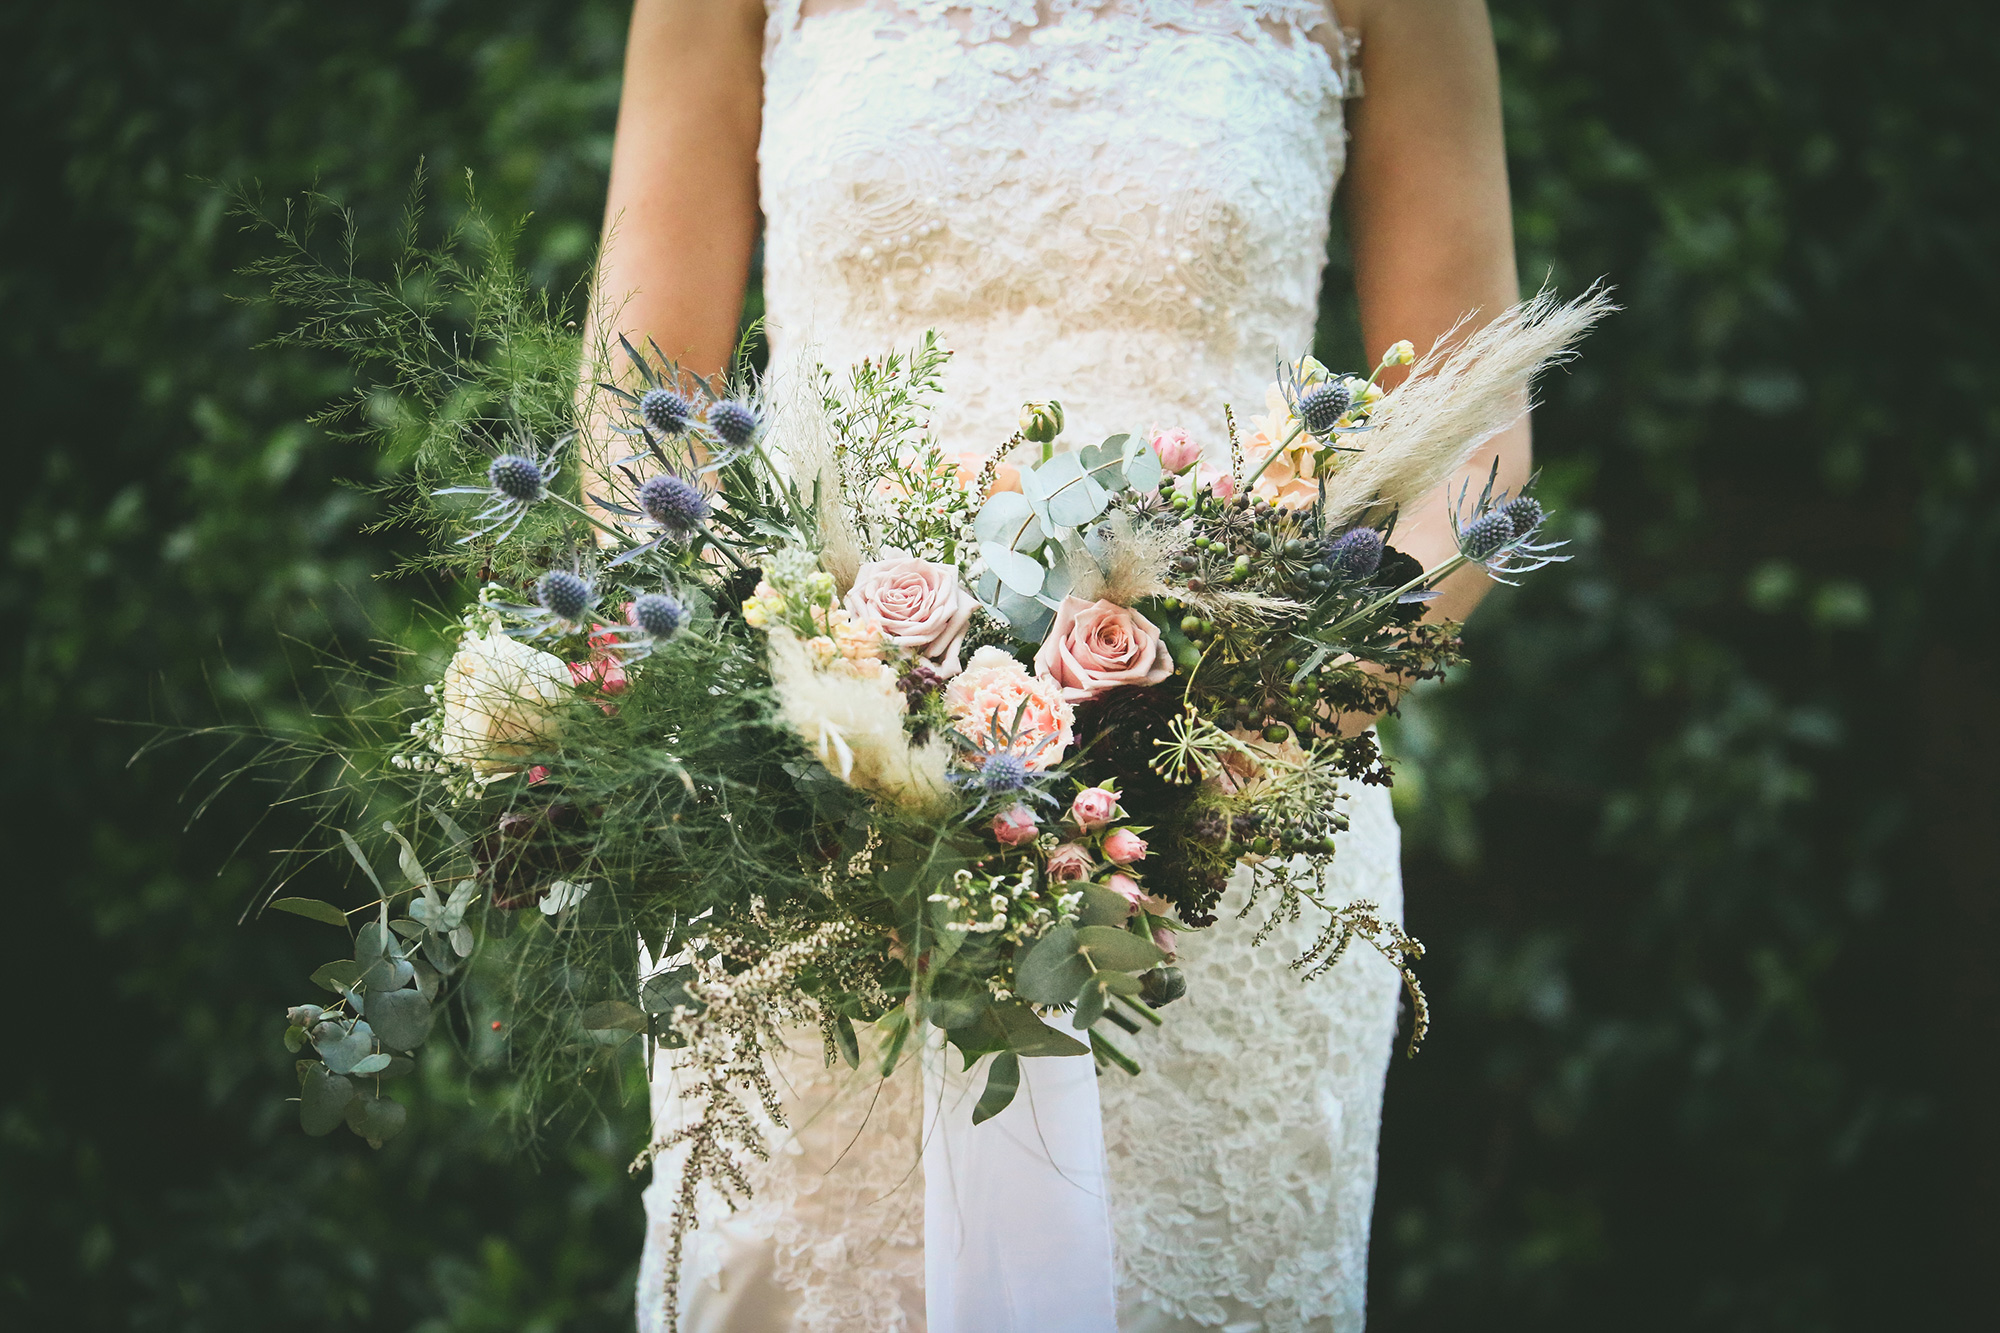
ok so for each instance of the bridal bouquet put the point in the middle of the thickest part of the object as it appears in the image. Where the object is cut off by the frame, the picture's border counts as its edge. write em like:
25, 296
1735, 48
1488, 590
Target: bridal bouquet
764, 713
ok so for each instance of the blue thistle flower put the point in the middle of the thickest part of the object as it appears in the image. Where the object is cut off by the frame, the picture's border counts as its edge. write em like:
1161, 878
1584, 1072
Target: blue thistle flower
673, 503
566, 596
1524, 514
658, 614
1355, 555
515, 482
1484, 537
518, 479
1003, 773
733, 422
1322, 406
666, 411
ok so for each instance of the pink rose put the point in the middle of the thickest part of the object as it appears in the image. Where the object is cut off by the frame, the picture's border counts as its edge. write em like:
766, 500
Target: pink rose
1097, 646
1123, 847
1177, 450
1163, 940
1093, 807
1216, 480
1128, 888
917, 604
1070, 862
1014, 826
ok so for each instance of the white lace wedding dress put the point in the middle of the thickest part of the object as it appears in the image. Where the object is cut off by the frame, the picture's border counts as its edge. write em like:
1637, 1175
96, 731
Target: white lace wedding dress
1123, 204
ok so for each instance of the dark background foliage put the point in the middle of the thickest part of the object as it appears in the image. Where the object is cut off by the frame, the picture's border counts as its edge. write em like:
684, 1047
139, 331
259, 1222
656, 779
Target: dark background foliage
1704, 845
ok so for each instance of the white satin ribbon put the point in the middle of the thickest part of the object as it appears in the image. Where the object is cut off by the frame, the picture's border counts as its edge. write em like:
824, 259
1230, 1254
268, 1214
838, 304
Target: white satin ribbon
1017, 1227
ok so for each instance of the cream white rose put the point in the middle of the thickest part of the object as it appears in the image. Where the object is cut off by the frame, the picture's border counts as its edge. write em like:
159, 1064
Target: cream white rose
498, 704
918, 605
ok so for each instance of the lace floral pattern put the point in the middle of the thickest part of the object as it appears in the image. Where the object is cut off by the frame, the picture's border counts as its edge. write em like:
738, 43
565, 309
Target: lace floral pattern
1243, 1161
1123, 203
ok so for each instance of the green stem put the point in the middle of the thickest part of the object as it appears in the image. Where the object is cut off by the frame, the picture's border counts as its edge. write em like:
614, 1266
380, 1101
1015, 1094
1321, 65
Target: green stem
1146, 1011
592, 519
1101, 1045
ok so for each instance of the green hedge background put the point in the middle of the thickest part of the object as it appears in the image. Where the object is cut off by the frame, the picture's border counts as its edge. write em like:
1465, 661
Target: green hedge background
1704, 848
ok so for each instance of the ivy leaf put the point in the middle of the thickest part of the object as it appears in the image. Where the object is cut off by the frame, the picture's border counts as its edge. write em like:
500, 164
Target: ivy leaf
1003, 1079
312, 909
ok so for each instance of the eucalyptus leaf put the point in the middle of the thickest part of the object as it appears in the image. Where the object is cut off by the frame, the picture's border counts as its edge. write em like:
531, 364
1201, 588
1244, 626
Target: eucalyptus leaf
459, 837
1072, 498
1104, 907
374, 1064
342, 1047
1028, 618
428, 979
1028, 1035
376, 1119
1050, 970
390, 974
1009, 520
361, 859
1021, 573
405, 927
663, 992
956, 1002
295, 1038
1089, 1006
614, 1015
401, 1017
462, 941
1119, 949
1120, 983
312, 909
1142, 465
372, 942
323, 1099
1003, 1079
338, 975
406, 859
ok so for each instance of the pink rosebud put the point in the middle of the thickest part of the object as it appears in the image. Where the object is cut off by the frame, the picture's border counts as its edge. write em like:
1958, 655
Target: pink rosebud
1128, 888
1177, 450
1163, 940
1123, 847
1014, 826
1093, 807
1069, 862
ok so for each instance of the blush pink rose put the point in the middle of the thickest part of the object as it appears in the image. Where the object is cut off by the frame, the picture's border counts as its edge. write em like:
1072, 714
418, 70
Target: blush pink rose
1093, 807
1163, 940
918, 605
1128, 888
1123, 847
1070, 862
1216, 480
1177, 450
1014, 826
1098, 646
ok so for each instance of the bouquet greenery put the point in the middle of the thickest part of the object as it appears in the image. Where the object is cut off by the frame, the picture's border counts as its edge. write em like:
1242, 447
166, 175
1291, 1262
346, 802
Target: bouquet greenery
762, 712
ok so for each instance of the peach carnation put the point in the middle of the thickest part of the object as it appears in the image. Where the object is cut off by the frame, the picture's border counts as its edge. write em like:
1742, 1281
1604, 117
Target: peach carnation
992, 689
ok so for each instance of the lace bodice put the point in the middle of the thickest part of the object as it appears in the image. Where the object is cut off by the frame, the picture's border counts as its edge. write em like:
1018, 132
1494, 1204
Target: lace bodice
1121, 203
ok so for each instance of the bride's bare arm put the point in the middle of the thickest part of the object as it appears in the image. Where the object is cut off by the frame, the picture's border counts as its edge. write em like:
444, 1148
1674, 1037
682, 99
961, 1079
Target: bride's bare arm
1428, 214
681, 216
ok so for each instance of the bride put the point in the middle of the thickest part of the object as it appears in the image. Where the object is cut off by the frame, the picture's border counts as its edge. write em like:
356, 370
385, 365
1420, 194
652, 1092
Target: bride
1124, 204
